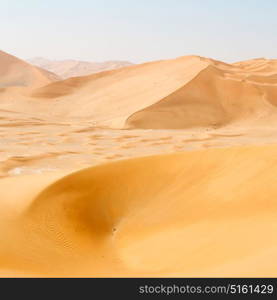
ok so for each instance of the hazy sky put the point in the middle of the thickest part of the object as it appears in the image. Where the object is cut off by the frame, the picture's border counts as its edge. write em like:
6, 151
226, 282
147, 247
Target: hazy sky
139, 30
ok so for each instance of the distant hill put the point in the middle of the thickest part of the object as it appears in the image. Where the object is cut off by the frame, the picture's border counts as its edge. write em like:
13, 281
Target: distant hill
74, 68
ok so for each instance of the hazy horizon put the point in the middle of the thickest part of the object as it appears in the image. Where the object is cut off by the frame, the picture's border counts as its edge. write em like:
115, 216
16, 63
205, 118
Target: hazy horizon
138, 31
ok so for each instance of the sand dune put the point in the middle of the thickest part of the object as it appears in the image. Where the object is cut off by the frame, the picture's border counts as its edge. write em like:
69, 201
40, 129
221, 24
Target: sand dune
186, 92
73, 68
109, 221
108, 98
17, 73
73, 203
219, 95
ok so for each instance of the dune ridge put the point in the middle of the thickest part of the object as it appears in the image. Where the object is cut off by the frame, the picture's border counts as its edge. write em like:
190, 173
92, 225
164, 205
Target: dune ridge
109, 221
219, 95
186, 92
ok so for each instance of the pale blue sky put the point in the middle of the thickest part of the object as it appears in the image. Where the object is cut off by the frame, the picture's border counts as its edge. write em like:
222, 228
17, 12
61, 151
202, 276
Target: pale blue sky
139, 30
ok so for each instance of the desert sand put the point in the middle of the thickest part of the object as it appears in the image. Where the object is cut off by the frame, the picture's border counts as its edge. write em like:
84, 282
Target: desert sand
167, 168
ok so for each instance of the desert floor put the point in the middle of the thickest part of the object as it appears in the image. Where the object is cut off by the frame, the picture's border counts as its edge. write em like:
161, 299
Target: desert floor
66, 146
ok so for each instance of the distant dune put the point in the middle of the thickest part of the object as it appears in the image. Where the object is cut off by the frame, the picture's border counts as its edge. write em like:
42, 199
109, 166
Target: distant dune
17, 73
73, 68
186, 92
202, 213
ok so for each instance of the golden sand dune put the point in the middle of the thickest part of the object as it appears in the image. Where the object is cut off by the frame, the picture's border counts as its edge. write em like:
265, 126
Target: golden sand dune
186, 92
220, 94
17, 73
202, 213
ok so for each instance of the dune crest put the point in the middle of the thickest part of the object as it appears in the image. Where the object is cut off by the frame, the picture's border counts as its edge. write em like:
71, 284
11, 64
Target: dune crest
109, 221
219, 95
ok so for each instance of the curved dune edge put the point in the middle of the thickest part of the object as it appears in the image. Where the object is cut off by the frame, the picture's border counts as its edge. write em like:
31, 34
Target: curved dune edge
203, 213
216, 96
